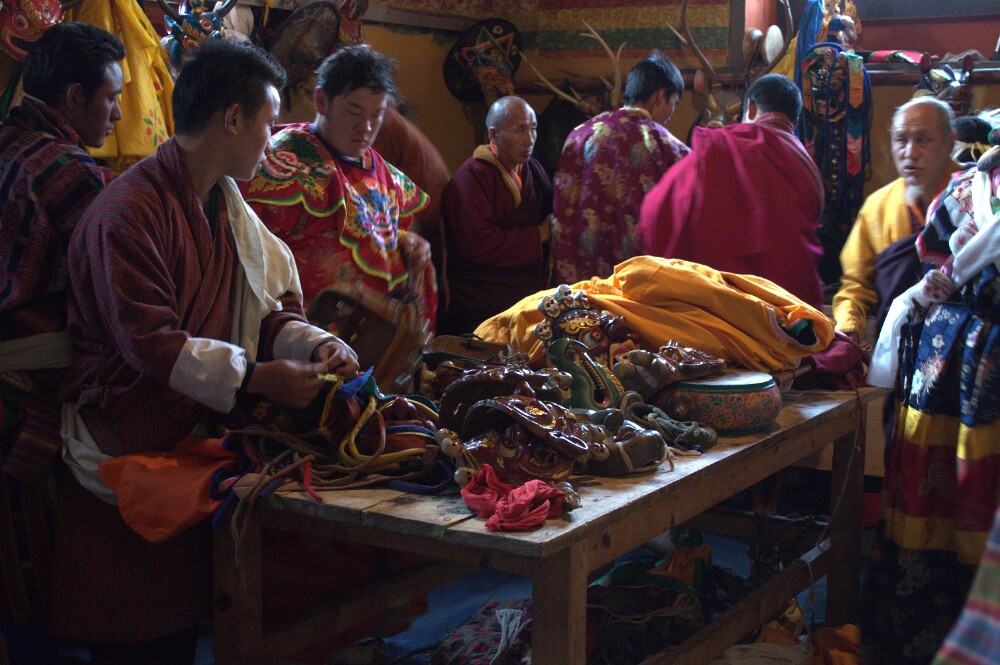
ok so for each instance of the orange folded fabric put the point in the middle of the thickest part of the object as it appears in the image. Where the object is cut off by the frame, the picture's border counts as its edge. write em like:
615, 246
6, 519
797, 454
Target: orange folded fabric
162, 494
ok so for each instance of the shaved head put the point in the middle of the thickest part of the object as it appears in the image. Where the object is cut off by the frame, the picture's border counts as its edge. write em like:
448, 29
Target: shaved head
512, 129
945, 116
500, 111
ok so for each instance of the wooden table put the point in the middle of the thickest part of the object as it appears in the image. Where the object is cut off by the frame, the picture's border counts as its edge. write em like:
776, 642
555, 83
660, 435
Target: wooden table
618, 514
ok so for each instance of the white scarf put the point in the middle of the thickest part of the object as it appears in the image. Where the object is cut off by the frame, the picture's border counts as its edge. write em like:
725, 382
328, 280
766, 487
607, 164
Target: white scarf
268, 270
970, 257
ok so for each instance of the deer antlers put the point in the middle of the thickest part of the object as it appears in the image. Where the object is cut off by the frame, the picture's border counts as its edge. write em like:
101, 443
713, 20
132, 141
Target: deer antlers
616, 61
687, 40
615, 88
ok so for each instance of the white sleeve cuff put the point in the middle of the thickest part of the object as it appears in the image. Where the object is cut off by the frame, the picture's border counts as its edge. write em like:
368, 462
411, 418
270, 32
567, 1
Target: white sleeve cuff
209, 371
297, 340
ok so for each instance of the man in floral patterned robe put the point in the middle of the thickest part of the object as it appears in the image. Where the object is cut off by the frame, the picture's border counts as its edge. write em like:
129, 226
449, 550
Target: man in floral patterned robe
607, 165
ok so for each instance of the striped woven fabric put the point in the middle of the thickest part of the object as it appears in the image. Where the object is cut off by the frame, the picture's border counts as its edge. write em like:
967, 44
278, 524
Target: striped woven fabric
554, 26
47, 180
975, 639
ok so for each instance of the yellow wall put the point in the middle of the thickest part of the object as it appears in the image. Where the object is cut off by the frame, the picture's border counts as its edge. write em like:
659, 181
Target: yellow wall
438, 114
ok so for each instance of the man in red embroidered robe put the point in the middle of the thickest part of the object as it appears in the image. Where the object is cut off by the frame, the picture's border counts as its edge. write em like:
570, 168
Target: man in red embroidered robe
746, 200
180, 298
497, 221
343, 210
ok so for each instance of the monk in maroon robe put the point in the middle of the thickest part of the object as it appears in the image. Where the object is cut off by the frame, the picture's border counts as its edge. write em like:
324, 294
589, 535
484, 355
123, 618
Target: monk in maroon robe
180, 299
746, 200
496, 210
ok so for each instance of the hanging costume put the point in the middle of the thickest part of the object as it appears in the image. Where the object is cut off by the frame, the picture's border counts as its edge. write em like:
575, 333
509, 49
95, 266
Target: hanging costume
607, 165
342, 220
836, 130
746, 200
495, 254
170, 299
740, 318
940, 348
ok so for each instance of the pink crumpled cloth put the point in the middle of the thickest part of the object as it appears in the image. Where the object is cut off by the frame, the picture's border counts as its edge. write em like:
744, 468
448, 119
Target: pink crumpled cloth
510, 507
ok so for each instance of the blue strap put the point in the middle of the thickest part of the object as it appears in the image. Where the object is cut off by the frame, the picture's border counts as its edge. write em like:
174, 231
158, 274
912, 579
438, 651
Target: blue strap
441, 479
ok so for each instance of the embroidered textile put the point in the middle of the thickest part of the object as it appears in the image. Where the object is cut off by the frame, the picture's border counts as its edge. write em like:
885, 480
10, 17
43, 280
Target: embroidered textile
836, 130
147, 115
341, 220
943, 476
942, 480
607, 165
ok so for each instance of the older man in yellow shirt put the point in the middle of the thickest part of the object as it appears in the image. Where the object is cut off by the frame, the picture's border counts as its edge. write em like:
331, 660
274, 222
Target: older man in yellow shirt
922, 139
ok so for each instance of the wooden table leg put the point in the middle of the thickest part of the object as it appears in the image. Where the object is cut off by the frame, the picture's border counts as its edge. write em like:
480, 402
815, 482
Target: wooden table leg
847, 485
237, 598
559, 609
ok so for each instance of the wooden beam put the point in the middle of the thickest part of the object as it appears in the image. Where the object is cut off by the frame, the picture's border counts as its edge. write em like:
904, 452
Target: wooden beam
737, 26
385, 15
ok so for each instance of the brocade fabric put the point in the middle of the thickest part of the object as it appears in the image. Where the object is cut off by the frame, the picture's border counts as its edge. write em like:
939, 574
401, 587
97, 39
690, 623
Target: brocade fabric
607, 165
342, 220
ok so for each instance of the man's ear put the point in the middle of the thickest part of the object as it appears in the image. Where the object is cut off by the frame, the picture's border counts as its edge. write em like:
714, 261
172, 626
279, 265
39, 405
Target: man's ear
751, 113
320, 100
491, 134
233, 119
74, 98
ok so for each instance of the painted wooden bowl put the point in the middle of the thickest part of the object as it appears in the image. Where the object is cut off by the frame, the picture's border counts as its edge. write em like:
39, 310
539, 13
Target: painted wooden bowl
735, 403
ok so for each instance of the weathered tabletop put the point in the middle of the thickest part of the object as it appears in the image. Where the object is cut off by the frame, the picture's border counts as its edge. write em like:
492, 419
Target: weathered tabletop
618, 514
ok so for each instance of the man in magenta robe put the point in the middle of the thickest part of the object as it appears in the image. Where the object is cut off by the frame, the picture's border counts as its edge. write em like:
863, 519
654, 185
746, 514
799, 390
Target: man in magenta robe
746, 200
496, 210
606, 167
180, 299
